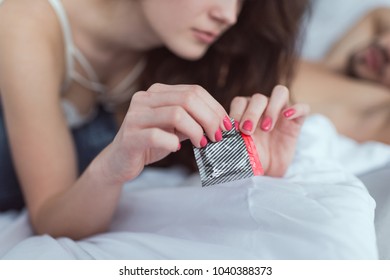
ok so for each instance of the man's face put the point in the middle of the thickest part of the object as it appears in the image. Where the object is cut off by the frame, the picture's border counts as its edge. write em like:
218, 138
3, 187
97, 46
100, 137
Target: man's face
373, 61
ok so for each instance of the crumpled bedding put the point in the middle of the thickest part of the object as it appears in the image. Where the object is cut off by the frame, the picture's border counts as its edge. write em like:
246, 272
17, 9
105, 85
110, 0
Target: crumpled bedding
318, 211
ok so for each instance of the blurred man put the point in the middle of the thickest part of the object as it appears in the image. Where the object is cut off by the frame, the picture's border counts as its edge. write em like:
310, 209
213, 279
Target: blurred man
351, 86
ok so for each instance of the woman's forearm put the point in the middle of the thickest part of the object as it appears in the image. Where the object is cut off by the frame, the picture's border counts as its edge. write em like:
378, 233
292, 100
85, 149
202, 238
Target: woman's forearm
84, 209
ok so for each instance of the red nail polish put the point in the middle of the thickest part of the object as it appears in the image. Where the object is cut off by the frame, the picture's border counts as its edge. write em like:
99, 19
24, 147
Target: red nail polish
248, 125
288, 113
179, 147
266, 124
227, 123
203, 142
218, 135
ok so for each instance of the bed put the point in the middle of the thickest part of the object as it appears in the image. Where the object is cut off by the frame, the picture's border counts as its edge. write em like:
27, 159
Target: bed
318, 211
332, 204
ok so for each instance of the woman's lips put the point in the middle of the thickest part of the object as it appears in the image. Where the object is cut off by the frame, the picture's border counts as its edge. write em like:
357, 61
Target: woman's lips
204, 37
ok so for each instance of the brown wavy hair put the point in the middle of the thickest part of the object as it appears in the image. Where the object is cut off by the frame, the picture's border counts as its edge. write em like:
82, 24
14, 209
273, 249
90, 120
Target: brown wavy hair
254, 55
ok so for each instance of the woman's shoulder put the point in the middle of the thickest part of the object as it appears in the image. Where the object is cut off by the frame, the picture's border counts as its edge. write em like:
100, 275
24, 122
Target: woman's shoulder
23, 21
27, 14
30, 33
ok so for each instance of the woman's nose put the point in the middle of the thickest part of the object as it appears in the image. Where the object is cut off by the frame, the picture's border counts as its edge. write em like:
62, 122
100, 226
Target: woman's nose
226, 11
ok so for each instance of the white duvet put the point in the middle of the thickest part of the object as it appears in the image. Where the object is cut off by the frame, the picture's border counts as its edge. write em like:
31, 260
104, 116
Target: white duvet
318, 211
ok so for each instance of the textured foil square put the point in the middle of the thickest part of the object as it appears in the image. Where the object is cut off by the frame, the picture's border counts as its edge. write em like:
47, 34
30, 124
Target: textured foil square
233, 158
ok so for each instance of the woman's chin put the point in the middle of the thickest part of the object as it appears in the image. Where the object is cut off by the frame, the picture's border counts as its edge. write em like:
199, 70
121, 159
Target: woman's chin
192, 54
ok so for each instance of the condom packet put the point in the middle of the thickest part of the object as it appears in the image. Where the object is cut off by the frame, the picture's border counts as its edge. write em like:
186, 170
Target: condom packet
233, 158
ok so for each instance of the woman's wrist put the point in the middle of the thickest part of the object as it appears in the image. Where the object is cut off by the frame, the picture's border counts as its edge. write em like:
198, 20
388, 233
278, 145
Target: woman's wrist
100, 170
108, 170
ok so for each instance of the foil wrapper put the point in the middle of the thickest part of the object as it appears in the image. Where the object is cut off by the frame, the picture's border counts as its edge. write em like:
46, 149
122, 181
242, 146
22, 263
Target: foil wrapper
233, 158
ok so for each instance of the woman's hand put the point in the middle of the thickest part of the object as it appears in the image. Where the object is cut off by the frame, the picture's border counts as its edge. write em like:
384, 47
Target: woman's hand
274, 126
157, 121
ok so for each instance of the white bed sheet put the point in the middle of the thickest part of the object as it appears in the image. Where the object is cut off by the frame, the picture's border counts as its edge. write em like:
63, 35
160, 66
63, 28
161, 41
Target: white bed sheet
319, 211
378, 183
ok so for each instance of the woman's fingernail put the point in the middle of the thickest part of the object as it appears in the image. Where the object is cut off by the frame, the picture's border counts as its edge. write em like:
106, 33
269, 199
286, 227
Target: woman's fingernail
288, 113
179, 147
248, 125
227, 123
266, 124
218, 135
203, 142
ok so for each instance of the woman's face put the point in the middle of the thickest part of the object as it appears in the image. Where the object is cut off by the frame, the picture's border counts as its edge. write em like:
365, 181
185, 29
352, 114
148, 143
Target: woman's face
373, 62
189, 27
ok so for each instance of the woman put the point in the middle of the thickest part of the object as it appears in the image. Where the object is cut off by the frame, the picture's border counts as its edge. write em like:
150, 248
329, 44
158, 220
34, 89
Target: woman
203, 54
